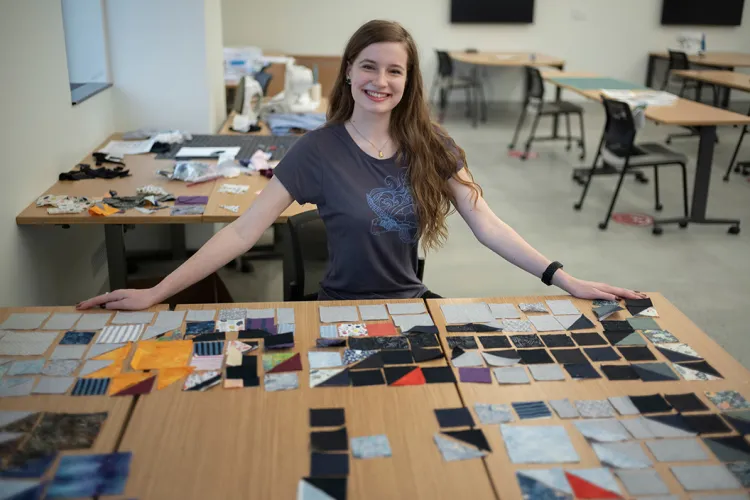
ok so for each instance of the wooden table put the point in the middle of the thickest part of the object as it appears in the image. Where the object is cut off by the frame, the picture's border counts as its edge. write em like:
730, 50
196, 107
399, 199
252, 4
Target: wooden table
249, 443
684, 113
499, 466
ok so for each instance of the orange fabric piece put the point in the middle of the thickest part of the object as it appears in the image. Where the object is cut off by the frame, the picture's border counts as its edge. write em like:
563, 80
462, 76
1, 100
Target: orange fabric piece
118, 354
108, 371
171, 375
103, 210
120, 382
230, 383
414, 377
155, 355
381, 329
586, 489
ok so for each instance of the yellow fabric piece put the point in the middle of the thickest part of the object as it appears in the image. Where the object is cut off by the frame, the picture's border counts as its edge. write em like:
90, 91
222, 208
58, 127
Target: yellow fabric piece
118, 354
103, 210
169, 376
154, 355
234, 356
233, 383
120, 382
108, 371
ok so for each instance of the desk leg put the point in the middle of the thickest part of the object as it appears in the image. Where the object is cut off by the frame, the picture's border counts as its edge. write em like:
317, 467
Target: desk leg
650, 70
114, 240
558, 96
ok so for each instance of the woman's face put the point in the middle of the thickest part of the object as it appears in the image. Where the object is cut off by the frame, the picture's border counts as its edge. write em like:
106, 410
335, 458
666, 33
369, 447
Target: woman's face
378, 76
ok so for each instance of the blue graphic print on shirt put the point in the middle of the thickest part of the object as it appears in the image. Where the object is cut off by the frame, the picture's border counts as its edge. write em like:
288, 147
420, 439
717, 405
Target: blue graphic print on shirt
394, 209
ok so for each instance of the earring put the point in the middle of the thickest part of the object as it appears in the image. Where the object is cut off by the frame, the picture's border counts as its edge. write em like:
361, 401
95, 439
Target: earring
348, 81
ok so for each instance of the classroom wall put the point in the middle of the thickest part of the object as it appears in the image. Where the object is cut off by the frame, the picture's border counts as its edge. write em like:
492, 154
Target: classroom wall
611, 37
43, 134
85, 40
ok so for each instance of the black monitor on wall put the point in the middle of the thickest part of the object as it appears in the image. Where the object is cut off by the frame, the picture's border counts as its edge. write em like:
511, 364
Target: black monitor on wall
702, 12
492, 11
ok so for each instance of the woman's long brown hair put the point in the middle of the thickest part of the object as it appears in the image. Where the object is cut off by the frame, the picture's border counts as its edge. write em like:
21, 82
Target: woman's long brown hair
426, 151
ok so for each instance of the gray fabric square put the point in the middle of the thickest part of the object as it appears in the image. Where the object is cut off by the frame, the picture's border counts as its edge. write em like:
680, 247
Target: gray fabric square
642, 482
547, 444
281, 381
504, 311
494, 360
407, 308
171, 320
606, 430
564, 408
467, 313
285, 315
336, 314
638, 428
232, 314
662, 430
16, 386
132, 318
68, 352
516, 325
677, 450
408, 321
61, 321
546, 323
93, 366
24, 321
26, 367
468, 358
626, 455
91, 322
595, 408
53, 385
536, 307
562, 307
200, 315
154, 331
98, 349
26, 343
324, 359
493, 414
371, 446
269, 313
705, 477
643, 324
373, 312
547, 372
61, 367
624, 405
511, 375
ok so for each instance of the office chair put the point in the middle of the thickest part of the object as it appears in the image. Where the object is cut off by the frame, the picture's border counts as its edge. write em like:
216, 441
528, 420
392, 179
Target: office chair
742, 166
618, 149
534, 99
446, 81
306, 257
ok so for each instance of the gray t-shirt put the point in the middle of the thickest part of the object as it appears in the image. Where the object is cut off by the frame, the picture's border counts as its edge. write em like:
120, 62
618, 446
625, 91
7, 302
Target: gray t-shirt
367, 207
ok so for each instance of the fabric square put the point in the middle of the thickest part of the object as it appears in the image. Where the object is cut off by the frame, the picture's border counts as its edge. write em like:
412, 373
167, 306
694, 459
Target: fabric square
606, 430
327, 417
595, 408
565, 356
504, 311
588, 339
423, 340
62, 321
564, 408
230, 314
574, 322
400, 376
729, 449
367, 358
557, 340
381, 329
620, 372
454, 417
265, 313
489, 414
741, 471
352, 330
431, 329
73, 338
68, 352
617, 326
421, 355
24, 321
362, 378
536, 307
532, 410
329, 359
329, 464
363, 343
230, 325
454, 449
119, 334
171, 320
660, 337
580, 371
697, 371
322, 488
637, 353
727, 400
335, 377
461, 359
396, 357
54, 385
285, 315
285, 328
207, 363
280, 341
538, 444
544, 484
668, 426
473, 327
475, 375
371, 447
338, 314
534, 356
407, 322
390, 343
132, 318
91, 387
562, 307
494, 341
373, 312
654, 403
628, 455
522, 341
604, 311
18, 386
26, 367
506, 357
329, 331
438, 375
624, 339
643, 323
93, 321
211, 348
684, 403
61, 367
26, 344
678, 352
740, 420
187, 210
93, 366
261, 324
90, 475
642, 482
326, 342
282, 362
654, 372
516, 325
677, 450
281, 382
545, 323
406, 308
467, 313
200, 381
600, 354
624, 405
593, 483
199, 315
546, 372
465, 342
705, 477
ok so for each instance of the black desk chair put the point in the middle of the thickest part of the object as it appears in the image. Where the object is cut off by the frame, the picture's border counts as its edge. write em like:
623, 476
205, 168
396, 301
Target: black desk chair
742, 166
306, 258
534, 98
446, 80
618, 150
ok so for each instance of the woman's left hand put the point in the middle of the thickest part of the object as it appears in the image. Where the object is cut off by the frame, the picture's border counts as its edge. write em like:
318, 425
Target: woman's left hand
593, 290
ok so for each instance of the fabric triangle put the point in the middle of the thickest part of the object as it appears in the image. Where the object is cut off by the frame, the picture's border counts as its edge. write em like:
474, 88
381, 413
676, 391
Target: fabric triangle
120, 382
453, 450
111, 370
567, 320
585, 489
338, 380
494, 360
168, 376
635, 310
603, 312
421, 354
481, 327
533, 489
649, 312
139, 388
676, 357
741, 424
290, 365
414, 377
582, 323
457, 351
118, 354
702, 367
372, 361
474, 437
551, 478
332, 487
395, 373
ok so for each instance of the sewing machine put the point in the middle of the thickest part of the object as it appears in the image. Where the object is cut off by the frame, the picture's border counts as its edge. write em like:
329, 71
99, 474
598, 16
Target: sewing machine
301, 93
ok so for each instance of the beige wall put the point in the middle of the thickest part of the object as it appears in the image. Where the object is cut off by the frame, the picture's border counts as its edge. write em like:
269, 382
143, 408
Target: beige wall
43, 134
612, 37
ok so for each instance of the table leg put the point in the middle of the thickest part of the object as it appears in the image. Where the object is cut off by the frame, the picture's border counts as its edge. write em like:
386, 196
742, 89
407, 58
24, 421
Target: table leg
726, 97
114, 240
650, 70
558, 96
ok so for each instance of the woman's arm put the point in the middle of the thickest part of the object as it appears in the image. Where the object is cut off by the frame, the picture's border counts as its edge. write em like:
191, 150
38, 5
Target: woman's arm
504, 241
232, 241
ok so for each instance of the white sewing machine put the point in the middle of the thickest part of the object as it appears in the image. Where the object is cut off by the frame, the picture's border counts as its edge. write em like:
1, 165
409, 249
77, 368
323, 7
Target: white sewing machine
247, 103
301, 94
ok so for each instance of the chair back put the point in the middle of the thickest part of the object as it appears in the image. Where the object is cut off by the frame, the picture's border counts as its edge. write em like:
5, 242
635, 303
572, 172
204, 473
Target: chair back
619, 130
534, 84
306, 260
678, 60
445, 63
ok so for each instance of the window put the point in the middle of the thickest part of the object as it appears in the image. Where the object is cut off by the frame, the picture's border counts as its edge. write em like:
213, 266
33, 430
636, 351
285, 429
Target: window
85, 47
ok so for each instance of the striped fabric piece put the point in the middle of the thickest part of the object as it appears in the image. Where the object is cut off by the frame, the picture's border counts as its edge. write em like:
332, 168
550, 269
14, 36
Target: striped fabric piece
91, 387
532, 409
266, 324
215, 348
118, 334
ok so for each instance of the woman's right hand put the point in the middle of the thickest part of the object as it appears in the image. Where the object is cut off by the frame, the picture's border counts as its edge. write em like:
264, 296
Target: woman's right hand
130, 300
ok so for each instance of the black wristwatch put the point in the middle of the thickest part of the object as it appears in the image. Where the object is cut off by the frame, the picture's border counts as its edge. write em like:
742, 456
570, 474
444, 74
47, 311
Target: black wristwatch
550, 272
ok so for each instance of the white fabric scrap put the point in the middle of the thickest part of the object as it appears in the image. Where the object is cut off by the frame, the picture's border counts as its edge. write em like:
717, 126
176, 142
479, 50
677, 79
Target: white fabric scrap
233, 188
232, 208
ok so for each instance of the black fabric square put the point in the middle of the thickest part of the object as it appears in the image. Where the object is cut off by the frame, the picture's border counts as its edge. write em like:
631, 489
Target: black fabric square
526, 341
423, 340
209, 337
534, 356
388, 343
337, 440
676, 357
363, 343
329, 464
557, 340
432, 330
637, 353
684, 403
454, 417
421, 355
494, 341
395, 357
472, 327
464, 342
582, 371
620, 372
602, 354
361, 378
677, 421
729, 449
615, 338
326, 417
505, 353
375, 360
252, 334
564, 356
741, 425
439, 374
702, 366
584, 339
277, 341
644, 303
707, 424
654, 403
617, 326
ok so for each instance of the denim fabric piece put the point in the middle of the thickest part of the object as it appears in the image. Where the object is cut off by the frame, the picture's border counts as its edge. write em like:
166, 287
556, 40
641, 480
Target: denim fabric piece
551, 478
26, 367
328, 359
61, 367
80, 338
608, 430
628, 455
538, 444
371, 446
62, 321
531, 409
281, 381
493, 414
453, 450
564, 408
199, 327
642, 482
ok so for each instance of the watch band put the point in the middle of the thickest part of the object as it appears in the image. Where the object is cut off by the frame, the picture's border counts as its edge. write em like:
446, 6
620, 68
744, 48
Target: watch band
550, 272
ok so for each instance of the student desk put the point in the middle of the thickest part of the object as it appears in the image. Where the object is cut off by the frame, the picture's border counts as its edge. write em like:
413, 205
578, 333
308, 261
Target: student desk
226, 127
502, 470
249, 443
724, 79
684, 113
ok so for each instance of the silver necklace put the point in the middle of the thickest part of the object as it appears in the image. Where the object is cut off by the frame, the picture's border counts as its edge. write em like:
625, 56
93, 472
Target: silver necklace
379, 150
